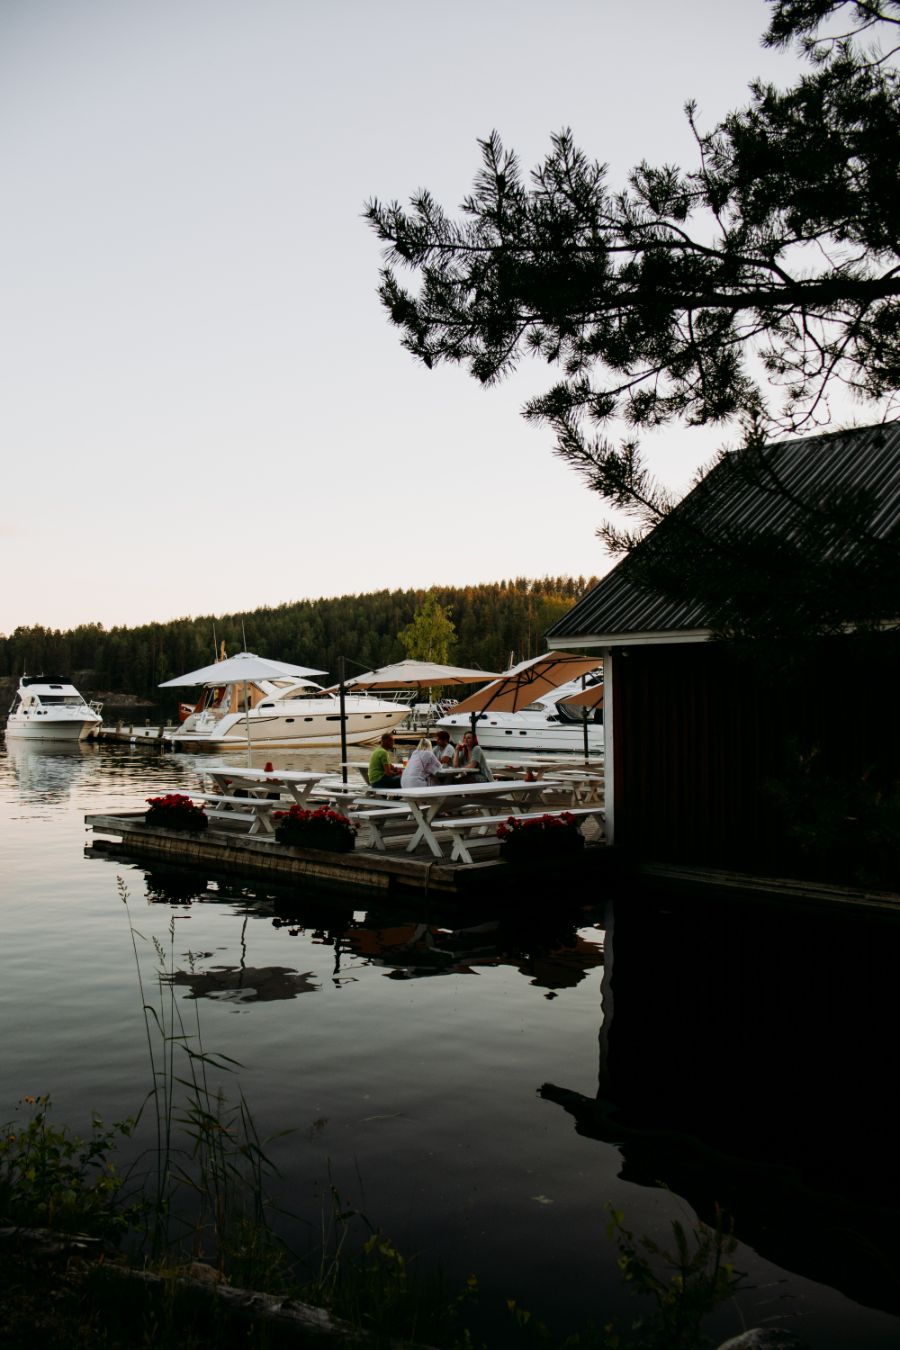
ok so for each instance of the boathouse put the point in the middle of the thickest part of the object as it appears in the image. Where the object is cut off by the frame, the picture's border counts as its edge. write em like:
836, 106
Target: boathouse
750, 646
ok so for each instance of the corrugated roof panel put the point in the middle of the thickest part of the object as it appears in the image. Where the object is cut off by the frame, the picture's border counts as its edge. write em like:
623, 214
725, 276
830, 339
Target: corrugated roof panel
791, 474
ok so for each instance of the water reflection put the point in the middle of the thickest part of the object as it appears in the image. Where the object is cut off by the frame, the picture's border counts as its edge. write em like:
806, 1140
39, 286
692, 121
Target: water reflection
747, 1060
174, 888
554, 953
47, 771
245, 984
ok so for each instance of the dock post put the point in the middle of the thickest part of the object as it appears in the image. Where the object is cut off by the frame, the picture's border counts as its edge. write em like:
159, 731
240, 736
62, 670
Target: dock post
342, 675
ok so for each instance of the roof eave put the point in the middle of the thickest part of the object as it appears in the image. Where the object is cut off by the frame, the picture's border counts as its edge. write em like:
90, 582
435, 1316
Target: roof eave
591, 641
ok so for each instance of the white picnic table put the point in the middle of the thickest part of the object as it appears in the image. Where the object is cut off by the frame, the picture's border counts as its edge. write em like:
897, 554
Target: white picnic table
262, 793
448, 771
585, 785
426, 804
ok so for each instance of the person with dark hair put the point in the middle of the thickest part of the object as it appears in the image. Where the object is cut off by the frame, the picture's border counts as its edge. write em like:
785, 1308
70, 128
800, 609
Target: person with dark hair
443, 747
470, 752
383, 772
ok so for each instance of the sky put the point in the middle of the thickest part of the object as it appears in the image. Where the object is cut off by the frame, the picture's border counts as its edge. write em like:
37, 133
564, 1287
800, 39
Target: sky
203, 406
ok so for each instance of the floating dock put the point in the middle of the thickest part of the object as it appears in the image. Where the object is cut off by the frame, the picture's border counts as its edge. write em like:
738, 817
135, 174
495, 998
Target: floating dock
389, 873
141, 733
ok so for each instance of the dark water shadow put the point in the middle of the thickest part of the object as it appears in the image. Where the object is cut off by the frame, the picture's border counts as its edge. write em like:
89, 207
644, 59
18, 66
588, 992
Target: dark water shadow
747, 1060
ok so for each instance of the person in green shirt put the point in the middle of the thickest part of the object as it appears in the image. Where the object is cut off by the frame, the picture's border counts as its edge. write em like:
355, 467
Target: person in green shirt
383, 772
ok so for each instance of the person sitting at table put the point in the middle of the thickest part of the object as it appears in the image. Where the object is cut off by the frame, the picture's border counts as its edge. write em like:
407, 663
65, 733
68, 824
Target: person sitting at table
469, 752
422, 766
444, 748
383, 772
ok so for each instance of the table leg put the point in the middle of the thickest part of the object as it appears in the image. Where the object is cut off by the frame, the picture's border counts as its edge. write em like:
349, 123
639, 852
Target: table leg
423, 818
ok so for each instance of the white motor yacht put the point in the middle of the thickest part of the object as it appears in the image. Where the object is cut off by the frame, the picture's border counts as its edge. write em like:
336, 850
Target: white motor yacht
545, 724
50, 708
284, 714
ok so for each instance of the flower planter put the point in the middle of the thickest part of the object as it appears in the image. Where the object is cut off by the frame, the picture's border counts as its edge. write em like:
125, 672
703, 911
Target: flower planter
321, 829
544, 842
175, 812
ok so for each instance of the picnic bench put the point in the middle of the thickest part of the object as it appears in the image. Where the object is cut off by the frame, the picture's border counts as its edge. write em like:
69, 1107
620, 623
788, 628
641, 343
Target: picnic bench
257, 811
467, 832
424, 805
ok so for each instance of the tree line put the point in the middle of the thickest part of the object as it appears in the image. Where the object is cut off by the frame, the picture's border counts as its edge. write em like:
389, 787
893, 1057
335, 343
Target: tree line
493, 621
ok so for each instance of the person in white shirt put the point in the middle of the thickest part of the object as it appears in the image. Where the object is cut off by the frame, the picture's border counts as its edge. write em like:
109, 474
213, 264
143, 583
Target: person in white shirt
422, 766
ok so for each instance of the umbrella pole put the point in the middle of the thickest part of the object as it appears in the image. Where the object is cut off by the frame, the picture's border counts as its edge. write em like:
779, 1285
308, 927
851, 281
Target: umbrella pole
342, 694
584, 721
247, 722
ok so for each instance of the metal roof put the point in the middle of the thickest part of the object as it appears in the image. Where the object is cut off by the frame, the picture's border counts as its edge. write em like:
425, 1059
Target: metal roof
764, 492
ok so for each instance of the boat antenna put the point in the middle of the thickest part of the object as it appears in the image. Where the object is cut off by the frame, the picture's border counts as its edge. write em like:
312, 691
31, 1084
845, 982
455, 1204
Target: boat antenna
243, 635
215, 645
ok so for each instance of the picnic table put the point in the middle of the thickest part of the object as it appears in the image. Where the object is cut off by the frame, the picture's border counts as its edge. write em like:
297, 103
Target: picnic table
426, 804
585, 785
255, 795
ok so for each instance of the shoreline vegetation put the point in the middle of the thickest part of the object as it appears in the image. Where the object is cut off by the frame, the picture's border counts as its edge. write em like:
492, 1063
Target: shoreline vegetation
182, 1248
490, 621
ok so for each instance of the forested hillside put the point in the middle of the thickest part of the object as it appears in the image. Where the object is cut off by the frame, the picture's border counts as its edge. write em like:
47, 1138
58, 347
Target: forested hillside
491, 622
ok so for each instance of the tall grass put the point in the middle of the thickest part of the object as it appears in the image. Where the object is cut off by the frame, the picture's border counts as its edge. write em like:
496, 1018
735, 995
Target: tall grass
207, 1186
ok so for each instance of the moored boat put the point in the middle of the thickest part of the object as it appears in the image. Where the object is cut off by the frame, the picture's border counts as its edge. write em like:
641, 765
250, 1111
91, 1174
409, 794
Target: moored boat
283, 714
547, 723
50, 708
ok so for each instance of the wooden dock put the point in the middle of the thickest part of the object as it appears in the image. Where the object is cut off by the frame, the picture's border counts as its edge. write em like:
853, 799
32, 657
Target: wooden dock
141, 733
135, 733
234, 852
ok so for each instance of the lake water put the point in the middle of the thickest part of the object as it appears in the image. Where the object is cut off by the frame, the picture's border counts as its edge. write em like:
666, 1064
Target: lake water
484, 1084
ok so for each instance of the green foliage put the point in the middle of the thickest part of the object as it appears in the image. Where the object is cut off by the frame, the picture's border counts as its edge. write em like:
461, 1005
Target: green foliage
362, 1277
432, 633
751, 284
684, 1285
491, 621
52, 1178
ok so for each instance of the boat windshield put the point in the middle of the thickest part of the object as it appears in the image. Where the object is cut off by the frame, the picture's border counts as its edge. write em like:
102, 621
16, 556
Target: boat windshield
68, 700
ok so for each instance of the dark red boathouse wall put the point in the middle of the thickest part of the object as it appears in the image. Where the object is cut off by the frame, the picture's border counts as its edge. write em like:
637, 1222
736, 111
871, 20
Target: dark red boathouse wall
698, 736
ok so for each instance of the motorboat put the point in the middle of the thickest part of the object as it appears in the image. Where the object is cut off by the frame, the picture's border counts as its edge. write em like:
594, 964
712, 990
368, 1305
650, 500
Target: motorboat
50, 708
546, 724
283, 714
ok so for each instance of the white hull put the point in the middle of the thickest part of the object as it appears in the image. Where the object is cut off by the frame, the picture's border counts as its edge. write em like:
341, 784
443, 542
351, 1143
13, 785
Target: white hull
50, 708
282, 731
510, 735
47, 730
543, 725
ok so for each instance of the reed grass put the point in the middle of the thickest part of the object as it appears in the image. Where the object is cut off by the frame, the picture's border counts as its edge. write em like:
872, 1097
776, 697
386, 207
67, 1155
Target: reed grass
210, 1169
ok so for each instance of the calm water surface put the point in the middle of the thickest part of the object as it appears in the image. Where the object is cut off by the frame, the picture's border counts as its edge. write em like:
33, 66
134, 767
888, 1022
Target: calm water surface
405, 1051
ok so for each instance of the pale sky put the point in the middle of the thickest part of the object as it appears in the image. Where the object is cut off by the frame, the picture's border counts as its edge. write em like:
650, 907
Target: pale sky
203, 407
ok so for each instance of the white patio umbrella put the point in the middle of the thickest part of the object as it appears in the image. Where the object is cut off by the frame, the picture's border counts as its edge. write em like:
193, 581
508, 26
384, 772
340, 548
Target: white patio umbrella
241, 669
418, 675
